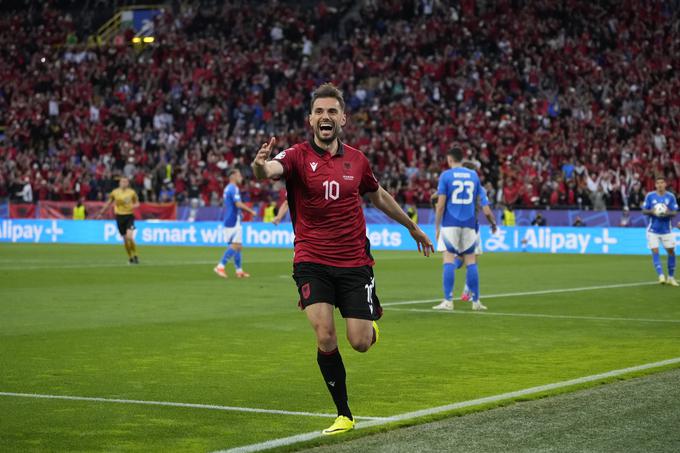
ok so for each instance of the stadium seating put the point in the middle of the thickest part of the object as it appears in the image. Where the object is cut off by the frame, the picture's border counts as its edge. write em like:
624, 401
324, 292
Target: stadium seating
562, 104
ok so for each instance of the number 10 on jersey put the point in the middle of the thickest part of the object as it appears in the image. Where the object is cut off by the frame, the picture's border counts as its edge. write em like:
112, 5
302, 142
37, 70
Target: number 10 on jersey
332, 189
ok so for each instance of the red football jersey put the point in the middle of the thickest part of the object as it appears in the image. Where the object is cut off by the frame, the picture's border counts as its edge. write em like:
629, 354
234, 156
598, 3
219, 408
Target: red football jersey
324, 198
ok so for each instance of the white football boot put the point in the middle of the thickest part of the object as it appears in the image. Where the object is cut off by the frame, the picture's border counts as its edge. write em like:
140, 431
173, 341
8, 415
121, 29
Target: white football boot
444, 305
477, 306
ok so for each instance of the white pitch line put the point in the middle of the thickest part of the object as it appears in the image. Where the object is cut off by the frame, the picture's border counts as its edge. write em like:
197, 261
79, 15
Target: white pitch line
120, 264
172, 404
451, 407
534, 315
530, 293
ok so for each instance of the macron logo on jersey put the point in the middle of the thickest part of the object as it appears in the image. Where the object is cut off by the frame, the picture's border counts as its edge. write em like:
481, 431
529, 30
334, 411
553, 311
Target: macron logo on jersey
313, 165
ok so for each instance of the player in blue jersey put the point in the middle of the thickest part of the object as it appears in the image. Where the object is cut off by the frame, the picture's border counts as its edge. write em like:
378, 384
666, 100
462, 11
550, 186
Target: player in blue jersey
482, 202
456, 226
233, 233
660, 206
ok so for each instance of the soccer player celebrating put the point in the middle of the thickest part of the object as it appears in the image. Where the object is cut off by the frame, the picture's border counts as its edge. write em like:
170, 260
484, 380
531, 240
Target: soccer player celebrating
125, 202
332, 265
456, 226
660, 206
232, 224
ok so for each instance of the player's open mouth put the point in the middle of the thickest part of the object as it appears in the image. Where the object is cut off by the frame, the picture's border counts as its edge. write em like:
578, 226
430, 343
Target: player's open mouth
326, 127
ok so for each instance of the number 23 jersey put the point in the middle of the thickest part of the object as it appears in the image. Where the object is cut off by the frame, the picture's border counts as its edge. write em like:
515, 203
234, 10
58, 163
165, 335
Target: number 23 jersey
461, 187
324, 198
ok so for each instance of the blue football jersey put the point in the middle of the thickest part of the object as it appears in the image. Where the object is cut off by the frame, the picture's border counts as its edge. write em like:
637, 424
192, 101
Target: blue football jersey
232, 213
461, 187
483, 197
660, 225
483, 201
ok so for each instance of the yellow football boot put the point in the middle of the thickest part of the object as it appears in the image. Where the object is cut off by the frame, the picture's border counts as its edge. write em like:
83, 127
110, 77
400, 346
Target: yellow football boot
341, 425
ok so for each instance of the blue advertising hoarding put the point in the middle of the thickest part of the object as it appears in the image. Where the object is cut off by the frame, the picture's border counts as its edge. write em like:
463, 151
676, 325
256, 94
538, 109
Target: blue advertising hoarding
523, 217
625, 241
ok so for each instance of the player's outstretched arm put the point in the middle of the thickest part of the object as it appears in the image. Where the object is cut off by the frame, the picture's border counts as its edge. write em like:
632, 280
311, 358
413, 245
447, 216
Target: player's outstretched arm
382, 200
263, 168
282, 213
439, 215
106, 206
245, 207
490, 218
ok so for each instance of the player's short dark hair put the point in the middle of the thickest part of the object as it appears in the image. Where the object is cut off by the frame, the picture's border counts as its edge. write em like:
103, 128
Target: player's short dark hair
456, 154
327, 90
659, 176
232, 171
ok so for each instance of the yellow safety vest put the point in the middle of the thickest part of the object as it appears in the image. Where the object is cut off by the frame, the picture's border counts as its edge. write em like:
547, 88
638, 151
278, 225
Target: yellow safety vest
269, 214
413, 215
79, 212
508, 218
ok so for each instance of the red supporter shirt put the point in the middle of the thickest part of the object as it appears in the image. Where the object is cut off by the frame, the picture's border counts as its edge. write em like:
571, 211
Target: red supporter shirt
324, 198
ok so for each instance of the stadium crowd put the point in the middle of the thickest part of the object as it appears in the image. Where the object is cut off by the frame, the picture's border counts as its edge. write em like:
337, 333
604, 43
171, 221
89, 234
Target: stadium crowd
561, 103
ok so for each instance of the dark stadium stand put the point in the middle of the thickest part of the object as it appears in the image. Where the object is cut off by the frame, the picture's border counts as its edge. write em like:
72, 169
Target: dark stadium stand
562, 103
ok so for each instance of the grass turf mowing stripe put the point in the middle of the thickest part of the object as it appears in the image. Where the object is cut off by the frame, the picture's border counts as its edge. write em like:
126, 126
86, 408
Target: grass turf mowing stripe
172, 404
529, 293
285, 441
534, 315
46, 264
34, 264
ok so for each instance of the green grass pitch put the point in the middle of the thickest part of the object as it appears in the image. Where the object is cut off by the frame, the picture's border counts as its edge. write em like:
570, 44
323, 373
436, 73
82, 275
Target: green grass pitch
78, 321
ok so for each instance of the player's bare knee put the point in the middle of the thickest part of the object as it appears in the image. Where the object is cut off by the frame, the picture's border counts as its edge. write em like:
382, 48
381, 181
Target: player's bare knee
361, 344
326, 339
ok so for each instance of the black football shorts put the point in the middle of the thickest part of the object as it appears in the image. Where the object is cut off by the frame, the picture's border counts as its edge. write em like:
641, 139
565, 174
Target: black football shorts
351, 289
125, 222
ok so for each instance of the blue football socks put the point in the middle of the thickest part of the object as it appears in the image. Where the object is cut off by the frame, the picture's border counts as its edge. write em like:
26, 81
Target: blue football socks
227, 256
237, 260
448, 277
657, 263
671, 265
472, 280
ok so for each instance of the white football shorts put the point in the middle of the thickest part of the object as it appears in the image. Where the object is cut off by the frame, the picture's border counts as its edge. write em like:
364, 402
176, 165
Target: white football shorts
478, 244
666, 240
233, 235
458, 240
